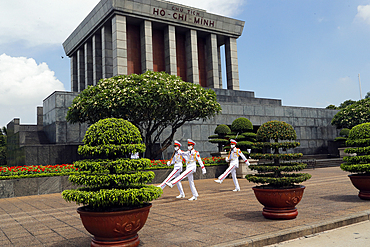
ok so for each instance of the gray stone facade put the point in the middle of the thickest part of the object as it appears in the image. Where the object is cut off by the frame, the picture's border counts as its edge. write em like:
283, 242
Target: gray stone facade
54, 140
98, 47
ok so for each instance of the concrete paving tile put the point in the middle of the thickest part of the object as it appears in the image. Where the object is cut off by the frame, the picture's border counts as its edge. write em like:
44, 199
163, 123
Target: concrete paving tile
50, 238
26, 241
5, 243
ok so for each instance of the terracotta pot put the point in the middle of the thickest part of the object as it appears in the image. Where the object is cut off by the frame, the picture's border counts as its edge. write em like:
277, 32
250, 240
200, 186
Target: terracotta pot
279, 203
362, 183
115, 228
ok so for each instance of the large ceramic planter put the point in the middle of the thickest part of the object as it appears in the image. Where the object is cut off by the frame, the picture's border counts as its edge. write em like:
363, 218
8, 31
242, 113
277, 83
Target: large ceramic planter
279, 203
362, 183
115, 228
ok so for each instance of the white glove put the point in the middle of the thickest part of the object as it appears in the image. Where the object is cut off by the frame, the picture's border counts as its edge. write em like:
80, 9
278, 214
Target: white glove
227, 159
204, 170
168, 163
247, 162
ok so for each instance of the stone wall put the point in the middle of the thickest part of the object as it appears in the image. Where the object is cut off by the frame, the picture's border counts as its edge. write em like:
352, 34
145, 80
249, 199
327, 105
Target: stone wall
313, 127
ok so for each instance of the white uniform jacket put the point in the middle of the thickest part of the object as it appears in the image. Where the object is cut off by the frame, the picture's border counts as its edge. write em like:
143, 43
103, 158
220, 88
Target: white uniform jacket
191, 157
177, 160
233, 157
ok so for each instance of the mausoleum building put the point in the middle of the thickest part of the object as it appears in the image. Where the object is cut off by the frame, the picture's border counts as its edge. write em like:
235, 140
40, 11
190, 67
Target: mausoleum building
132, 36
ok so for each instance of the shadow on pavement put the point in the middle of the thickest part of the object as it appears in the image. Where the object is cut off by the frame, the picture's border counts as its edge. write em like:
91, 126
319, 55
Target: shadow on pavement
343, 198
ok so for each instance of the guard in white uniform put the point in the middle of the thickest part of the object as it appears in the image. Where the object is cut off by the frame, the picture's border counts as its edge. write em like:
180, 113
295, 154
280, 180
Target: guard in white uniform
176, 159
233, 158
191, 156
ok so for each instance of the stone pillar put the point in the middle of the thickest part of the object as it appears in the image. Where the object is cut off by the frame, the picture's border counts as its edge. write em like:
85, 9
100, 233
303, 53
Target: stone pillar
191, 48
97, 57
212, 61
219, 67
88, 63
74, 77
232, 73
119, 45
170, 50
146, 46
107, 53
80, 70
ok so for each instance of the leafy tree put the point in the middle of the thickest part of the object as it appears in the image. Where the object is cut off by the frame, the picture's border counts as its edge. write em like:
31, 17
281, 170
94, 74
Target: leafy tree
152, 101
346, 103
352, 115
333, 107
367, 95
3, 146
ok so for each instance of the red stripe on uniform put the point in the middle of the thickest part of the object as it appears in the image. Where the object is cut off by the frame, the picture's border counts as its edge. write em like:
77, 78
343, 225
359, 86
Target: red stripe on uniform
171, 176
227, 173
183, 177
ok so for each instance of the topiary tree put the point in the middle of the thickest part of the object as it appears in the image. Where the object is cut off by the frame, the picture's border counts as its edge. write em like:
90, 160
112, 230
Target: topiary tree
343, 135
109, 179
359, 142
277, 174
153, 102
220, 138
353, 114
242, 128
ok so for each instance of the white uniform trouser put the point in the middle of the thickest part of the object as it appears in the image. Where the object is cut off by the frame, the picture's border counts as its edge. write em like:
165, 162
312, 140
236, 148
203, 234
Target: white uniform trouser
190, 169
231, 169
174, 174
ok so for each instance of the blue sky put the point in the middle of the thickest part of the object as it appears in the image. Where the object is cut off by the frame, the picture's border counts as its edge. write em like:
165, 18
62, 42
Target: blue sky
306, 53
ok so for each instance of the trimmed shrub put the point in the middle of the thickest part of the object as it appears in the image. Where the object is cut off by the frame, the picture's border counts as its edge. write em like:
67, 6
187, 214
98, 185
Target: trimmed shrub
241, 125
222, 130
359, 140
275, 174
344, 132
112, 179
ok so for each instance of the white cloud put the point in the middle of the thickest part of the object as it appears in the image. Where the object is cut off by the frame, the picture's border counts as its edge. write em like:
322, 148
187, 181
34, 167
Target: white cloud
51, 22
363, 13
42, 21
24, 84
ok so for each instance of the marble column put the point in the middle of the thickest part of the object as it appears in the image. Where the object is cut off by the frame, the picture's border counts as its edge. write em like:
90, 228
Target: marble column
213, 80
97, 57
107, 53
80, 70
170, 50
232, 72
119, 37
191, 48
88, 63
74, 77
146, 38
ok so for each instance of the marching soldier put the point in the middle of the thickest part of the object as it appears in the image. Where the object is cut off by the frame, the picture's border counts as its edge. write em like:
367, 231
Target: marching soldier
176, 159
233, 158
191, 156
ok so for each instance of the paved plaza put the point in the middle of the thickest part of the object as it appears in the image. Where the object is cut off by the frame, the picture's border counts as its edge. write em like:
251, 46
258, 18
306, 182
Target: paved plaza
220, 217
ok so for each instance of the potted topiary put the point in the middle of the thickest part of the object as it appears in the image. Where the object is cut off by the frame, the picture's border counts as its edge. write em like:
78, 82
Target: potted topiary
242, 128
220, 136
278, 192
359, 162
114, 191
341, 140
